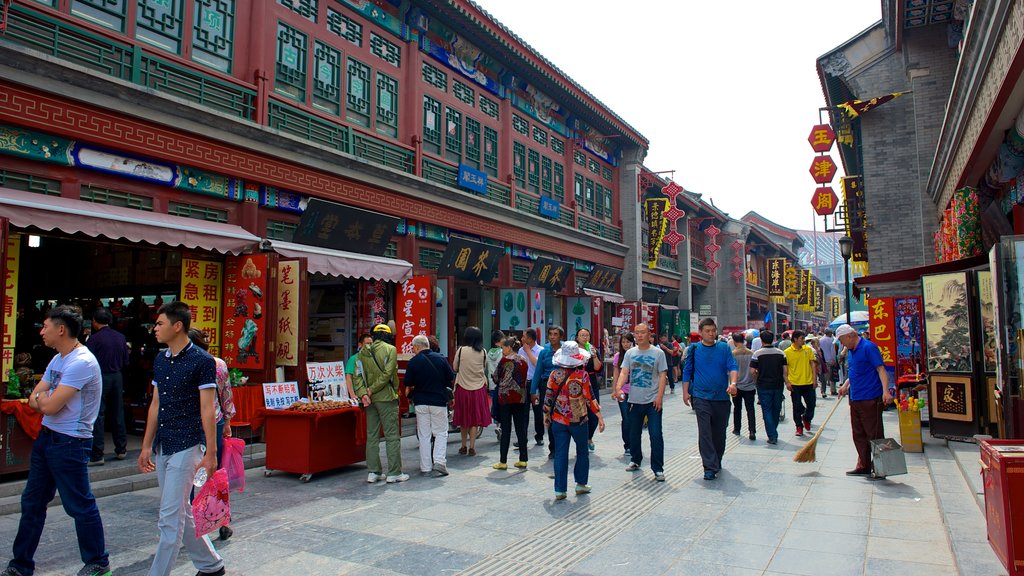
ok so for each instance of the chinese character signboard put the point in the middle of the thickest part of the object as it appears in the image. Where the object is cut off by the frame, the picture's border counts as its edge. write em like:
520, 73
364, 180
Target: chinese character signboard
549, 274
823, 169
245, 332
472, 179
603, 278
201, 282
819, 297
654, 216
777, 277
803, 288
339, 227
513, 308
289, 274
821, 138
824, 201
882, 323
549, 207
469, 260
909, 352
835, 305
415, 303
629, 314
792, 282
12, 262
856, 216
280, 395
326, 381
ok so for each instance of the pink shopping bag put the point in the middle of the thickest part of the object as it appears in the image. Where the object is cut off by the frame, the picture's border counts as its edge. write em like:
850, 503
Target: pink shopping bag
211, 507
232, 462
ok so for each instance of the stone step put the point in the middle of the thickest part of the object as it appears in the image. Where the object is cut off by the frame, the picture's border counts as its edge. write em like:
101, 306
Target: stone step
115, 477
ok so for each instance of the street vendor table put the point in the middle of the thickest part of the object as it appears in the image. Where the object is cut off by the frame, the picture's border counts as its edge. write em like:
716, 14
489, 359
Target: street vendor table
19, 426
309, 442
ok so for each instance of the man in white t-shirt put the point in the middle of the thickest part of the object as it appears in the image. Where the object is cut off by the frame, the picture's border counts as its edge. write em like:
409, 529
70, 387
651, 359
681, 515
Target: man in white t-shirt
530, 350
647, 371
69, 399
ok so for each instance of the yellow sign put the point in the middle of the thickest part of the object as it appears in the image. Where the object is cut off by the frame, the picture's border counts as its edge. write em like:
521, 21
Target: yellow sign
201, 282
10, 301
287, 313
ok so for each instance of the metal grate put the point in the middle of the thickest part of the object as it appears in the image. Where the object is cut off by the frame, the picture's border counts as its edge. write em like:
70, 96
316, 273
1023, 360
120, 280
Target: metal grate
29, 183
99, 195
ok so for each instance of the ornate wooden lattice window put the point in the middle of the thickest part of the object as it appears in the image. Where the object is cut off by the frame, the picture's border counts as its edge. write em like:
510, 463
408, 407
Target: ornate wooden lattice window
116, 198
290, 67
305, 8
593, 166
357, 96
197, 212
558, 181
608, 205
107, 13
588, 197
281, 230
386, 50
598, 200
606, 173
431, 125
464, 93
430, 259
345, 27
213, 33
435, 77
491, 151
519, 164
579, 158
520, 125
578, 191
472, 142
546, 184
326, 78
387, 105
520, 273
540, 136
160, 24
533, 171
453, 135
488, 106
557, 146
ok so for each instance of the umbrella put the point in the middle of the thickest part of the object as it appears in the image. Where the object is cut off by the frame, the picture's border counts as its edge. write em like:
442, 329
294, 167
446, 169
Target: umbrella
858, 320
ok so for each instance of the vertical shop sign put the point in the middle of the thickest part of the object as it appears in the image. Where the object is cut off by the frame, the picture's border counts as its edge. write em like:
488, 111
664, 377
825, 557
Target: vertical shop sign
649, 316
777, 277
804, 288
909, 352
628, 313
245, 332
537, 311
513, 308
835, 305
578, 315
288, 290
654, 216
201, 282
881, 321
415, 300
792, 280
819, 297
856, 216
12, 261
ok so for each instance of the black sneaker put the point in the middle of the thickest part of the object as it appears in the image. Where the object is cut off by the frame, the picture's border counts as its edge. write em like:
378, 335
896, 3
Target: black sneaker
226, 532
94, 570
217, 573
773, 440
121, 455
10, 571
752, 436
97, 462
736, 432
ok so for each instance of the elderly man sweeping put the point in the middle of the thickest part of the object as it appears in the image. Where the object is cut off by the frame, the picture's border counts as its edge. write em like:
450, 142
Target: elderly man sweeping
868, 387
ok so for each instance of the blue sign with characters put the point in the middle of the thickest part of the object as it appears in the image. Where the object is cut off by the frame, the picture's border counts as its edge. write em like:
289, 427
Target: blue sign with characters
472, 179
550, 207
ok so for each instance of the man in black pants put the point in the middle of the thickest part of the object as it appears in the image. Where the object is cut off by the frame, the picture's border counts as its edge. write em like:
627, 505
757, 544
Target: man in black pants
541, 374
111, 351
530, 351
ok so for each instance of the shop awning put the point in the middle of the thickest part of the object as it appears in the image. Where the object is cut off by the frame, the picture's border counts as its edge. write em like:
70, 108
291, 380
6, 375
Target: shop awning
606, 296
345, 264
669, 307
25, 209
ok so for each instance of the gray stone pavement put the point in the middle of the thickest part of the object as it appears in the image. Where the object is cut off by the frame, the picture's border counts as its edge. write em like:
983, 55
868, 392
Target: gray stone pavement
764, 515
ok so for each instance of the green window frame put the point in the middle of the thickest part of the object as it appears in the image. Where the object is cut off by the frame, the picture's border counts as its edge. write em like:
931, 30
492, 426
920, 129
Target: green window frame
106, 13
472, 142
385, 50
557, 146
588, 197
435, 77
608, 205
357, 93
606, 173
344, 27
489, 107
599, 200
593, 166
558, 181
533, 171
431, 125
453, 135
290, 67
159, 23
326, 78
520, 125
578, 191
491, 151
545, 176
387, 105
519, 164
213, 34
540, 136
308, 9
579, 158
464, 93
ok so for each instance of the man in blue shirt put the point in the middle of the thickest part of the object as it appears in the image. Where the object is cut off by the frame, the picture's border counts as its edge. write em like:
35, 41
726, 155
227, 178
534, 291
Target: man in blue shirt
111, 351
541, 374
868, 387
709, 379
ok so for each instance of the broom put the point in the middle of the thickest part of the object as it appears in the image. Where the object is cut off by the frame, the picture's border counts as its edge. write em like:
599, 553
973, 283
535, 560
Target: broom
806, 454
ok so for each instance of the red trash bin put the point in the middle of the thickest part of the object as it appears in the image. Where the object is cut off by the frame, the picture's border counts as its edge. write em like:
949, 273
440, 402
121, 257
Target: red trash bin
1002, 469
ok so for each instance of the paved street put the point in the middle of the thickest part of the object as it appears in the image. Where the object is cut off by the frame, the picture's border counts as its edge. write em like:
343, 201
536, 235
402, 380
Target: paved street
765, 515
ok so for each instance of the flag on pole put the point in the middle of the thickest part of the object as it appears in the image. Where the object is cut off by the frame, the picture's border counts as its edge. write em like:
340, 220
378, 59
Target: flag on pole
855, 108
768, 318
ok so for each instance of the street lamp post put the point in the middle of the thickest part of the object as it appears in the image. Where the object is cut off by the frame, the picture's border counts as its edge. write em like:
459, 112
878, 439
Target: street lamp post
846, 248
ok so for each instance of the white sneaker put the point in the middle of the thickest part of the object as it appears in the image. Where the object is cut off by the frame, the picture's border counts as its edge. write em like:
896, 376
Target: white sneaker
400, 478
372, 478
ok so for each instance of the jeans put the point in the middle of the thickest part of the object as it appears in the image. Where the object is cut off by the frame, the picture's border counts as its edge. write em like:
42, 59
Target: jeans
560, 434
866, 422
592, 422
57, 465
112, 402
771, 404
741, 399
514, 416
383, 414
804, 401
624, 412
432, 421
637, 412
712, 420
174, 473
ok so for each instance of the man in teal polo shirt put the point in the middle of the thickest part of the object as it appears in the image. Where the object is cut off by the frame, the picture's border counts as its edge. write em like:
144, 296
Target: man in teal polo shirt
868, 387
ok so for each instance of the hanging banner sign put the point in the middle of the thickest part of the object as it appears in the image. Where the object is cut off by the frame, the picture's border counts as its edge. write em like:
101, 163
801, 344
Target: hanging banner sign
288, 290
835, 305
654, 215
201, 282
777, 277
245, 330
792, 282
819, 297
469, 260
881, 322
603, 278
415, 303
909, 352
856, 216
513, 308
549, 274
12, 262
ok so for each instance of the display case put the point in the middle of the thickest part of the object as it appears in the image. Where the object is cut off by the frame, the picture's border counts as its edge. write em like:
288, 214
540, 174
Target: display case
1006, 262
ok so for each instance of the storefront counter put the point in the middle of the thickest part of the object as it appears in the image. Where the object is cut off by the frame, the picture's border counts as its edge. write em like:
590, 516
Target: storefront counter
19, 427
309, 442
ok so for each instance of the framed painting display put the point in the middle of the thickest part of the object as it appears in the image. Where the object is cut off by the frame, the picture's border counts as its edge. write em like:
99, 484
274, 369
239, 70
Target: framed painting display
947, 322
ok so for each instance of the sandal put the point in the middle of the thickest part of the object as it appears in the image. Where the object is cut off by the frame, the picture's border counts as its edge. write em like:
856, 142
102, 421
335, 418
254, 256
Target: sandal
462, 450
472, 451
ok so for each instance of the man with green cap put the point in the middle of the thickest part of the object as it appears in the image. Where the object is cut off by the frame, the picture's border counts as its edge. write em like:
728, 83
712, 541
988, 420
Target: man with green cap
376, 385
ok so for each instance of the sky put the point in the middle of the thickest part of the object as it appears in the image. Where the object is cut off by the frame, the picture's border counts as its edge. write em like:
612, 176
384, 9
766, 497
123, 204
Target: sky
726, 93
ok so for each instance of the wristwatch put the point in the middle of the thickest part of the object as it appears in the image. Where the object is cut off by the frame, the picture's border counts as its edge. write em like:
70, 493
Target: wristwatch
37, 397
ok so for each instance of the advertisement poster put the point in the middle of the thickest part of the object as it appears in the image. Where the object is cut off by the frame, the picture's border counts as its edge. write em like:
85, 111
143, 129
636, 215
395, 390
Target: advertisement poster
201, 290
288, 290
326, 381
280, 395
245, 331
513, 309
881, 322
578, 315
11, 265
412, 315
946, 323
537, 306
909, 357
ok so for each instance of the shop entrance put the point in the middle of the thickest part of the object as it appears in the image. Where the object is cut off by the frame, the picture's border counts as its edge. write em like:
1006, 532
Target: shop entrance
473, 306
